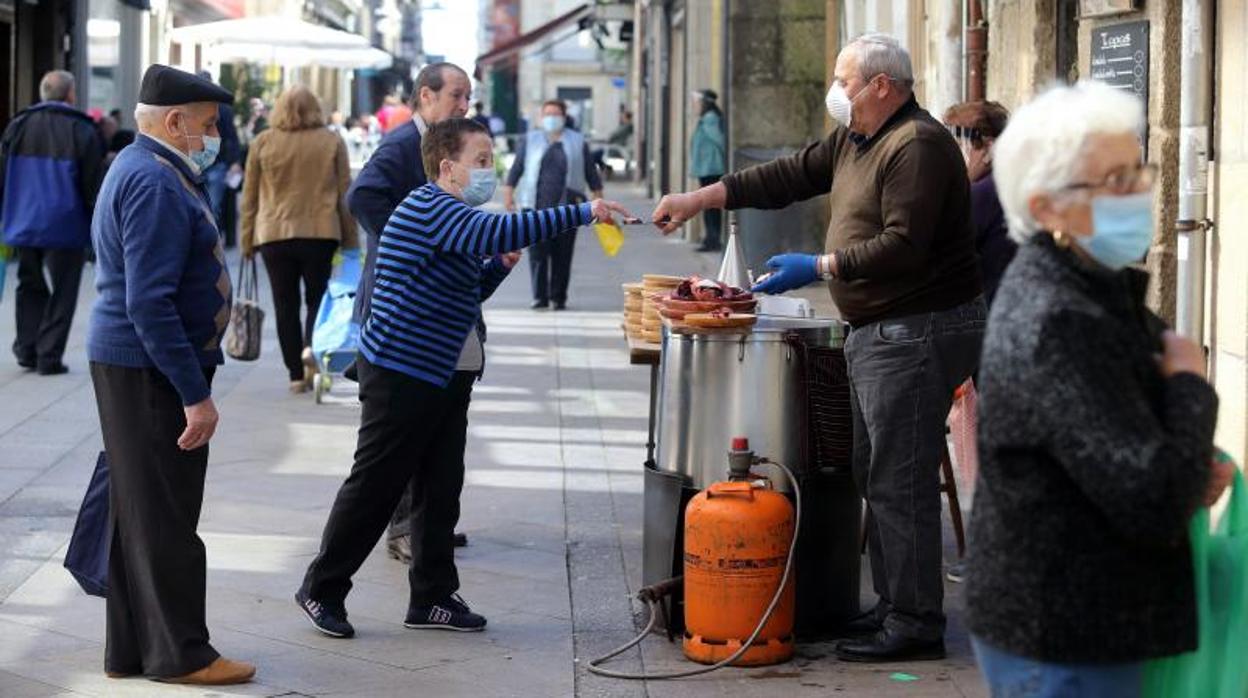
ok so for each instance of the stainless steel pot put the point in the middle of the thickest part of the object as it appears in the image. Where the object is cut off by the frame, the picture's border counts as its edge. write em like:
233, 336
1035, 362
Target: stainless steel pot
713, 387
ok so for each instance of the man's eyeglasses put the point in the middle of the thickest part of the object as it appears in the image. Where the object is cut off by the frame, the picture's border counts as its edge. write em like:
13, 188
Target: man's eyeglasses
1123, 180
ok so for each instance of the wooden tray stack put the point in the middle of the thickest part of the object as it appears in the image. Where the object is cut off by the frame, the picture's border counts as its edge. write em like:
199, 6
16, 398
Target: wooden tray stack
633, 306
654, 287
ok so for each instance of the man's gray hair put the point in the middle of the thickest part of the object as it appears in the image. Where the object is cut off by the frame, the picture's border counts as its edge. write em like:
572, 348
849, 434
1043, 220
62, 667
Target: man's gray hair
1042, 149
881, 53
56, 86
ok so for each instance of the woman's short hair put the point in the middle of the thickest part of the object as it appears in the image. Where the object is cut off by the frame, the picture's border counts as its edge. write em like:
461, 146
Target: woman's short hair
978, 119
445, 141
1042, 148
297, 109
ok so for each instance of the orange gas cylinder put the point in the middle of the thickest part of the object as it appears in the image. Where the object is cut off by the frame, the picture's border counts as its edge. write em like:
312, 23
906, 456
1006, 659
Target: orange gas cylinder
737, 537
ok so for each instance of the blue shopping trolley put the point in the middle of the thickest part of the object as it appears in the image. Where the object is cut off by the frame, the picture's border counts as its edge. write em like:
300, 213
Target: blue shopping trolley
336, 334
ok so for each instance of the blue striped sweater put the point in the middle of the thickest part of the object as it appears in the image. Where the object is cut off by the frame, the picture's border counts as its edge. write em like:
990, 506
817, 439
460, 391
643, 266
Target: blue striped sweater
437, 260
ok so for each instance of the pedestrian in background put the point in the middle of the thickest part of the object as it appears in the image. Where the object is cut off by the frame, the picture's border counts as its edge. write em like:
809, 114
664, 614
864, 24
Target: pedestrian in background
976, 126
707, 161
394, 171
1094, 452
51, 164
900, 264
553, 166
295, 212
162, 306
481, 117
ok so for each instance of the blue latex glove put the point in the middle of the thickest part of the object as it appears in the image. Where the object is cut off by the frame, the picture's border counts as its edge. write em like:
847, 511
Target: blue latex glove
789, 271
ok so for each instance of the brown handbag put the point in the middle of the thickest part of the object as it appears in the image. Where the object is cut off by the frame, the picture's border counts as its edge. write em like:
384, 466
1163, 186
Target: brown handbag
242, 342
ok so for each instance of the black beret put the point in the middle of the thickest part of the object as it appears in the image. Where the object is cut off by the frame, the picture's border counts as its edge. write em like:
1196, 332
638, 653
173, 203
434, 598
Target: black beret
166, 87
709, 95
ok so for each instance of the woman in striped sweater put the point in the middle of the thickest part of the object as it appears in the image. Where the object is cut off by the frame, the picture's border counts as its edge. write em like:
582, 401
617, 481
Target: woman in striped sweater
438, 259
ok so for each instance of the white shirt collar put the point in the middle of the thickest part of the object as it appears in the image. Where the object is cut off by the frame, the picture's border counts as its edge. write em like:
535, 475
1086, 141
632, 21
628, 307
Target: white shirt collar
185, 158
420, 123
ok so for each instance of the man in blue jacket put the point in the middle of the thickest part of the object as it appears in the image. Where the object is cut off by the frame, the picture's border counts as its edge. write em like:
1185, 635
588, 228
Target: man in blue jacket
393, 172
155, 342
51, 162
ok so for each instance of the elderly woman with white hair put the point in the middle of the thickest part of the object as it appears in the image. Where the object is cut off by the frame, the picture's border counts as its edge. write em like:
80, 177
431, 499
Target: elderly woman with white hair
1096, 422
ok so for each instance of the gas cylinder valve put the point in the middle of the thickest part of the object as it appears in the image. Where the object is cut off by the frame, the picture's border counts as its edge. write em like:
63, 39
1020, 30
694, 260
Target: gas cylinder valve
740, 459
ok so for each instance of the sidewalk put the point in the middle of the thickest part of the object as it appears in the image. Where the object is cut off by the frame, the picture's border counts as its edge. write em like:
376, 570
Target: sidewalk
552, 508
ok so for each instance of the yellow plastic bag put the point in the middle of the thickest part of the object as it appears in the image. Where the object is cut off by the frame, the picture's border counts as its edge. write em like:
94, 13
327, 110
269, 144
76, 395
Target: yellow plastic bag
610, 237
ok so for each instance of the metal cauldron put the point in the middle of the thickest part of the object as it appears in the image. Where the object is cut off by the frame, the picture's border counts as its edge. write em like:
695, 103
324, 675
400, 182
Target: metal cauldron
713, 387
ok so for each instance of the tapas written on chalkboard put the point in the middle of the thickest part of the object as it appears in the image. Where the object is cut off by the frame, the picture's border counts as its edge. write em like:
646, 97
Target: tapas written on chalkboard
1120, 58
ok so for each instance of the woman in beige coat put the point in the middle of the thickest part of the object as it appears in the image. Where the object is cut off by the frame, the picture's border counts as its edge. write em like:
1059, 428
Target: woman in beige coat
295, 212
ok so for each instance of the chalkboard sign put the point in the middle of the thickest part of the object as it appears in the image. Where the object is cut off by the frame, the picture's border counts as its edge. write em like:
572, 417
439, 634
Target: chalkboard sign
1120, 58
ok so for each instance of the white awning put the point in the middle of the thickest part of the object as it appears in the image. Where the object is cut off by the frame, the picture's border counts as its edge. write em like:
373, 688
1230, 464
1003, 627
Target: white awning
283, 41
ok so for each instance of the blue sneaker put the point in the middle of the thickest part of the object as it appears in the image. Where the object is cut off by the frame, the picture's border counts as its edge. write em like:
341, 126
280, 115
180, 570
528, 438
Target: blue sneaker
331, 621
450, 613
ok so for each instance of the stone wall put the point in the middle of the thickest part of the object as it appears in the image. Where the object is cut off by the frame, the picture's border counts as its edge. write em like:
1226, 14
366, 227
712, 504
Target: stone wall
1227, 310
778, 81
1022, 49
779, 55
1164, 36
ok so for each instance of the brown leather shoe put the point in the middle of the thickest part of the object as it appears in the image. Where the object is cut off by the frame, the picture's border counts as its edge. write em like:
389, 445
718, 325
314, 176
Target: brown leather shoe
119, 674
222, 672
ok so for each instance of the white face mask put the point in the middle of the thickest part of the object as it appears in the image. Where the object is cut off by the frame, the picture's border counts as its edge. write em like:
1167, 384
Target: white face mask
840, 105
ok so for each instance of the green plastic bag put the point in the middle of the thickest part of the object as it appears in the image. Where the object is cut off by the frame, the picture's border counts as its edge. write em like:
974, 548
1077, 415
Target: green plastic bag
1219, 666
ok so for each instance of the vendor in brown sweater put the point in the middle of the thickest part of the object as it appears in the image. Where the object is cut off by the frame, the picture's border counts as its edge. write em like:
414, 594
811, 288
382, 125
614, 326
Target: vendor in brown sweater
901, 266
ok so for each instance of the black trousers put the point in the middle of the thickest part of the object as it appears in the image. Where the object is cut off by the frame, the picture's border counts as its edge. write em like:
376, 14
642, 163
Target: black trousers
550, 267
45, 315
412, 434
157, 566
291, 263
712, 217
902, 374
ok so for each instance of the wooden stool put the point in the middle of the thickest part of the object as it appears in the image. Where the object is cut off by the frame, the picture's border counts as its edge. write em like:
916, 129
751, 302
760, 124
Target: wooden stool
949, 486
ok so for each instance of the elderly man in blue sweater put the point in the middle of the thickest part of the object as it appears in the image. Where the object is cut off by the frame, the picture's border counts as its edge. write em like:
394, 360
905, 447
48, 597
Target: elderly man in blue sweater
393, 172
155, 340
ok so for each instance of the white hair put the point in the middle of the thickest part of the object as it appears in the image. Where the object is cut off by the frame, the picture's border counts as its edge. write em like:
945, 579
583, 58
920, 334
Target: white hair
1041, 149
881, 53
149, 116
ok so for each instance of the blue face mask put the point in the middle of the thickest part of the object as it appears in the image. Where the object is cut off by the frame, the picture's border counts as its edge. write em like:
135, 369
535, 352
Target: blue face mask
1122, 229
480, 187
552, 124
203, 159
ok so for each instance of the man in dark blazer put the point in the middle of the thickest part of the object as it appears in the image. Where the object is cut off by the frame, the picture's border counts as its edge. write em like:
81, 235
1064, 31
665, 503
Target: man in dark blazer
395, 169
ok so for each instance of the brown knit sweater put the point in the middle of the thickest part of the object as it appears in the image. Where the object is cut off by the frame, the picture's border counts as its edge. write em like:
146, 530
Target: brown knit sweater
901, 214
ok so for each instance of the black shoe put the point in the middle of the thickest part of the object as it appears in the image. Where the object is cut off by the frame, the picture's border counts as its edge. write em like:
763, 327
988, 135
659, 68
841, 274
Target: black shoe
561, 306
55, 369
352, 372
540, 305
449, 614
400, 548
331, 621
709, 248
863, 625
461, 540
888, 646
956, 572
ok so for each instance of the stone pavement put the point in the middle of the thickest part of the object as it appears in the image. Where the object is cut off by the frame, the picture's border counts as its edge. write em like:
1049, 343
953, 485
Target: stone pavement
552, 507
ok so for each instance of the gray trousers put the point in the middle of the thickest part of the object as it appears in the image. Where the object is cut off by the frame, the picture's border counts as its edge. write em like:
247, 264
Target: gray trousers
902, 375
